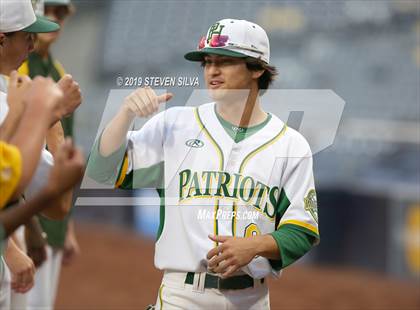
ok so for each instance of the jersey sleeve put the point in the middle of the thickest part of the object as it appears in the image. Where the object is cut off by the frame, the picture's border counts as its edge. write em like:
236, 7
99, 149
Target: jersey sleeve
40, 177
297, 214
10, 171
298, 202
138, 163
292, 243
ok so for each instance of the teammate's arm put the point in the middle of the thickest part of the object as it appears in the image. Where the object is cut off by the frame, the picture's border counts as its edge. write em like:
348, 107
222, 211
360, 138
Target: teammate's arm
55, 137
21, 267
66, 172
42, 98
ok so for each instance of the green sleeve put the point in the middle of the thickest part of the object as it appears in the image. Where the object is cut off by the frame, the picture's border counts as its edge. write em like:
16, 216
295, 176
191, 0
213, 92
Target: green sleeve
293, 242
105, 170
55, 230
67, 124
150, 177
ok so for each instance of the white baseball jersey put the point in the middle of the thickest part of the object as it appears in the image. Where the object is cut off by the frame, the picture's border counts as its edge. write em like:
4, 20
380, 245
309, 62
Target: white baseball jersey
213, 185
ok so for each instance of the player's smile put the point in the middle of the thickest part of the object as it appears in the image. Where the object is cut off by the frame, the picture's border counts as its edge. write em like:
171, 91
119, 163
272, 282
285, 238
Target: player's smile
215, 83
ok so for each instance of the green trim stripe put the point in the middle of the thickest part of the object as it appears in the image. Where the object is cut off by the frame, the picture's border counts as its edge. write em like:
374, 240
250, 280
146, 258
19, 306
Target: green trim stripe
260, 148
221, 166
283, 205
161, 193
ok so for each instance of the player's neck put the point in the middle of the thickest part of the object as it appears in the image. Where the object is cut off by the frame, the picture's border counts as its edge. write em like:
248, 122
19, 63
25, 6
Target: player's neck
242, 113
42, 49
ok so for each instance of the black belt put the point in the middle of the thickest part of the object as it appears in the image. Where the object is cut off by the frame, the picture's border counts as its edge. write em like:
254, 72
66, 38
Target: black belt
231, 283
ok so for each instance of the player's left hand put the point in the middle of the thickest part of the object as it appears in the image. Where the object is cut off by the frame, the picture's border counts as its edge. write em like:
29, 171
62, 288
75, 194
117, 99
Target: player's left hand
231, 254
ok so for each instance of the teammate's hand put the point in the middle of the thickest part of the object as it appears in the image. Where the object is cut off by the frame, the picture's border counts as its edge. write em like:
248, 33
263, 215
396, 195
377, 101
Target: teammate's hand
16, 92
71, 249
72, 96
144, 102
231, 254
22, 270
68, 168
43, 95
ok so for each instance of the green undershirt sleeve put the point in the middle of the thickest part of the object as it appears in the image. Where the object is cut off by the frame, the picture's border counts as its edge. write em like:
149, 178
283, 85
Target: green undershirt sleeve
149, 177
55, 230
293, 243
105, 170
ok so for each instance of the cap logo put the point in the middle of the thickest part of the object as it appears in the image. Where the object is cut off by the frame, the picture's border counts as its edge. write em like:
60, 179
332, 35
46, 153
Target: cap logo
216, 29
215, 37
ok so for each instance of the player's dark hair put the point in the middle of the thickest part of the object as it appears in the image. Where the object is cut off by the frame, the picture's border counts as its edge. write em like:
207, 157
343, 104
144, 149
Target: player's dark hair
9, 34
267, 78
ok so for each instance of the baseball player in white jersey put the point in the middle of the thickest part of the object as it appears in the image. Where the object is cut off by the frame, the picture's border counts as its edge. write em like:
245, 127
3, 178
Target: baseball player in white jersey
238, 201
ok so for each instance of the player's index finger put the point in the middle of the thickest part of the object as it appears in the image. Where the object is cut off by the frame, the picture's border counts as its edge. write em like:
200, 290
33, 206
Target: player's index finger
165, 97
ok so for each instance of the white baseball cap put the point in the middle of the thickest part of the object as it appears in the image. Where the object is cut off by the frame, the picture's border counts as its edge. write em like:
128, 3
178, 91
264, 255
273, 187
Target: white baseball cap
235, 38
18, 15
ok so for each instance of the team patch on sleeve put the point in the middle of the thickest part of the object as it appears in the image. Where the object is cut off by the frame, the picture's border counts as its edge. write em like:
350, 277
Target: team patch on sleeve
311, 206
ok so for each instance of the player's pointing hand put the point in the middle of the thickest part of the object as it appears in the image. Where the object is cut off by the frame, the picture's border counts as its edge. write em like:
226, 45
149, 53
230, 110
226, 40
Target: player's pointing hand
144, 102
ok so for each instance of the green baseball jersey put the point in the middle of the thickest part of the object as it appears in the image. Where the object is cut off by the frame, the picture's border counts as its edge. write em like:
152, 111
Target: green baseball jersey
34, 66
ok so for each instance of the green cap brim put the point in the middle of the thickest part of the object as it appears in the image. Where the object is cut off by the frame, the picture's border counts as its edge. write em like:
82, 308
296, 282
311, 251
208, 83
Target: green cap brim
199, 55
42, 25
57, 2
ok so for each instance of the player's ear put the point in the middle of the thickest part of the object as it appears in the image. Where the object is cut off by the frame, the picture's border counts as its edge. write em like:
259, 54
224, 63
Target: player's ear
256, 74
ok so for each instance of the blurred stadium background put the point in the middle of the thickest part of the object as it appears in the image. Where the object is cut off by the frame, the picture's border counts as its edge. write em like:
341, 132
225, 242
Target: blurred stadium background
368, 181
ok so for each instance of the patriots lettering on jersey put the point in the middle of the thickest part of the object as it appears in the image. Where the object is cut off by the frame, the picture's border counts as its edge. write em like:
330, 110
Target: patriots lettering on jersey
223, 185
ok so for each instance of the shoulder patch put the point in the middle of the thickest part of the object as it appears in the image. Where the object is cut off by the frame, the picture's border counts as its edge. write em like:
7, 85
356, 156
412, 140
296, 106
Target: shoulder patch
311, 204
